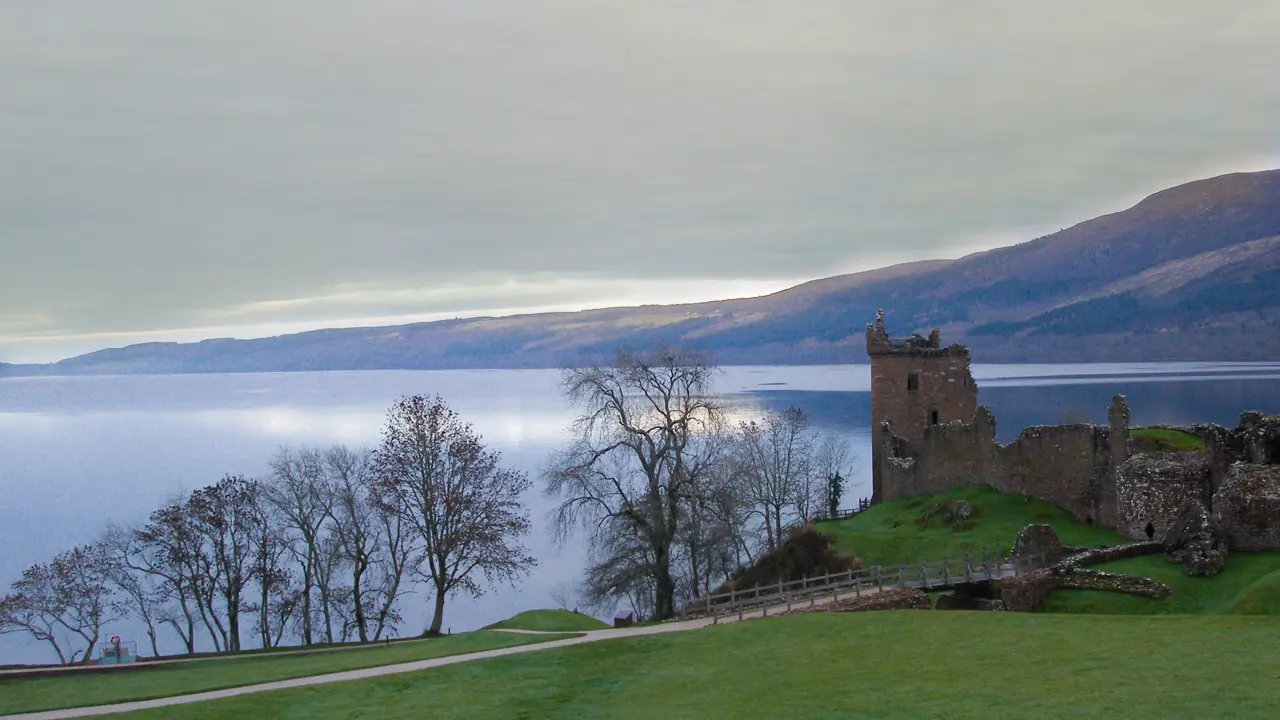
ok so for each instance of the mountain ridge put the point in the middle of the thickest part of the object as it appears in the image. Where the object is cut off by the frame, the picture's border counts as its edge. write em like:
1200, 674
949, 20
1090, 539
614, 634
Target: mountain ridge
1185, 274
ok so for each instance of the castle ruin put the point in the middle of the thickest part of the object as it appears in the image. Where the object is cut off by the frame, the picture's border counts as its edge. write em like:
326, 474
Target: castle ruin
929, 435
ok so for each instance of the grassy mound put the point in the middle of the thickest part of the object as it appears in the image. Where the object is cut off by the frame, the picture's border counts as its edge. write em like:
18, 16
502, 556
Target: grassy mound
550, 621
907, 531
839, 665
155, 680
1248, 584
1260, 598
1150, 440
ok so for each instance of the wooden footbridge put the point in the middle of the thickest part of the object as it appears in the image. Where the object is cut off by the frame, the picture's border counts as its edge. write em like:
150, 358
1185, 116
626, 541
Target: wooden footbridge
945, 574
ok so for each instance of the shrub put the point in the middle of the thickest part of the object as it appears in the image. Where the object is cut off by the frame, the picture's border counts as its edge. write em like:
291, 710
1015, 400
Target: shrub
806, 553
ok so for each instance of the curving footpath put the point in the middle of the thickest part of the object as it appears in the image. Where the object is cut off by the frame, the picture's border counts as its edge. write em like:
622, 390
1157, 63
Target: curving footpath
415, 666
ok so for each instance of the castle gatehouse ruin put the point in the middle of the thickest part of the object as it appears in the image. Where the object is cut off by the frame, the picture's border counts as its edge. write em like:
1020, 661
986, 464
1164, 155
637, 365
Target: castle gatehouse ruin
931, 435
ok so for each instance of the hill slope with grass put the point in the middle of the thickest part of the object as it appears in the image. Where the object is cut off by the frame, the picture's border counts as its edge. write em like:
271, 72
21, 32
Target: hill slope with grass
907, 531
550, 621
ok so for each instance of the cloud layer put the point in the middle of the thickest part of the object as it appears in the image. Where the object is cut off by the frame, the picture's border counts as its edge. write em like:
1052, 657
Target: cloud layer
171, 169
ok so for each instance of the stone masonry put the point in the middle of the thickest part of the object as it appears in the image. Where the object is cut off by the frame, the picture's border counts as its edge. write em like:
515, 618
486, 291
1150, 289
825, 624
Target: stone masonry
1246, 509
917, 384
1156, 489
930, 435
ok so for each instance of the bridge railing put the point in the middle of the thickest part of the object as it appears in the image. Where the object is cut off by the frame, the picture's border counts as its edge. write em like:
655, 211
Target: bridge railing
947, 572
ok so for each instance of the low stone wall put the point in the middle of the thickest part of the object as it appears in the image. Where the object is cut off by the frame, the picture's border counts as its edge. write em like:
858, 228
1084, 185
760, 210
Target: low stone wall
1130, 584
1025, 592
1097, 556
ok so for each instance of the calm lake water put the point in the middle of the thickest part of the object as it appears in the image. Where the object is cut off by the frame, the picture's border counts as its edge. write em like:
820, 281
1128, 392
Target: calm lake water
77, 453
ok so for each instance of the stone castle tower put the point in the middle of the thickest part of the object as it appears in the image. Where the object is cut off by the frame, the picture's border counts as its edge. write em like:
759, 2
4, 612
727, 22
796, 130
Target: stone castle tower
915, 383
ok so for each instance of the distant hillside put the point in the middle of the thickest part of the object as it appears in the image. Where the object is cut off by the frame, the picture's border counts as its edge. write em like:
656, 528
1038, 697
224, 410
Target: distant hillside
1190, 273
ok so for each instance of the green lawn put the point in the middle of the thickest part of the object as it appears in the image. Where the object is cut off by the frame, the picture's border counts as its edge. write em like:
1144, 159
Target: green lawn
1248, 584
911, 664
550, 621
888, 533
142, 682
1164, 440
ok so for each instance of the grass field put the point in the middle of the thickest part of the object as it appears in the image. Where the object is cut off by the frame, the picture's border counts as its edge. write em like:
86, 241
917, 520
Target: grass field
162, 680
855, 665
1164, 440
1248, 584
888, 534
550, 621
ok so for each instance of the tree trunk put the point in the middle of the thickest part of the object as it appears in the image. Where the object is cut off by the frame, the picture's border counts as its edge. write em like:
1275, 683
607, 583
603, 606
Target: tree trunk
306, 600
359, 604
264, 616
664, 605
233, 624
324, 609
437, 619
205, 616
693, 568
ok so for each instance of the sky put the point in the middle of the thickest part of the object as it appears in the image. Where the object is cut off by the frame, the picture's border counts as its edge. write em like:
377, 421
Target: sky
184, 170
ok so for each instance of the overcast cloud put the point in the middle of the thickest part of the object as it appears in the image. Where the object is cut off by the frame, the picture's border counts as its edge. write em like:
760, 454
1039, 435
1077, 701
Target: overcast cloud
176, 170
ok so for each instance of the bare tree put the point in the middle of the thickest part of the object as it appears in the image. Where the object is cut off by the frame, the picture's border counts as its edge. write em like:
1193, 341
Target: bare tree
329, 567
300, 492
69, 596
225, 515
465, 508
270, 543
565, 596
638, 452
143, 596
833, 464
397, 553
169, 547
775, 467
357, 528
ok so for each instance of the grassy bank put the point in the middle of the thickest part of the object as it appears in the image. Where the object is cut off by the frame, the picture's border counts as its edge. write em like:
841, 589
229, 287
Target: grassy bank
1249, 584
890, 533
1147, 440
550, 621
856, 665
142, 682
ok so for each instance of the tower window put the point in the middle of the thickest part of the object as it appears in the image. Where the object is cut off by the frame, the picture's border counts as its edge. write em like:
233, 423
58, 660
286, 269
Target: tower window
933, 417
913, 382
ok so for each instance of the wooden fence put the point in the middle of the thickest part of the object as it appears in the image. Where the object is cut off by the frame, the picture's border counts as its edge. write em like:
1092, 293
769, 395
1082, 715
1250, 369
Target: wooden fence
937, 575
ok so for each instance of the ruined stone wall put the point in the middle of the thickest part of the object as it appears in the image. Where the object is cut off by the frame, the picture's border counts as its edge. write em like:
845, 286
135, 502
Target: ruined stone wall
1066, 465
1246, 508
952, 455
1157, 488
1258, 438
